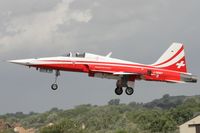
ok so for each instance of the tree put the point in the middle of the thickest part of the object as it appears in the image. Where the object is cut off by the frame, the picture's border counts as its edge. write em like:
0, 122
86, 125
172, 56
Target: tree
64, 126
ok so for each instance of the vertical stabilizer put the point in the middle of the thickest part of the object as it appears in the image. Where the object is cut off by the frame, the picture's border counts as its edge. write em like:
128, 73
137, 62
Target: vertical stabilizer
173, 59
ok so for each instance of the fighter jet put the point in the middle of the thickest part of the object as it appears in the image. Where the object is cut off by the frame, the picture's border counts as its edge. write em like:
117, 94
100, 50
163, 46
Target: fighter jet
170, 67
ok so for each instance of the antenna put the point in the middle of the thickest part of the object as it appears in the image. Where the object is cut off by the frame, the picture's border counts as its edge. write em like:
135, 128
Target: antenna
109, 54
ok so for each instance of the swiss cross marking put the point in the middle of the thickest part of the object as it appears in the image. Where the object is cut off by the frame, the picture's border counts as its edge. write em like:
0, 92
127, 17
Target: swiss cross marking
181, 64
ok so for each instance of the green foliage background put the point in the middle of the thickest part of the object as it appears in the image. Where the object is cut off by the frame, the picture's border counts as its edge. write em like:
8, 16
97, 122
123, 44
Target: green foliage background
159, 116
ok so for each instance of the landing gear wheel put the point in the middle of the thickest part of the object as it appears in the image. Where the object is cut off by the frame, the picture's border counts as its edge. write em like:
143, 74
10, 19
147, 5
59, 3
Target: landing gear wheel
54, 86
129, 91
118, 91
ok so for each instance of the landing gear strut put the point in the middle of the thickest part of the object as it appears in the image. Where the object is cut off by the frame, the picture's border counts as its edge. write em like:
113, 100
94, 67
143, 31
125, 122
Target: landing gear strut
129, 85
54, 86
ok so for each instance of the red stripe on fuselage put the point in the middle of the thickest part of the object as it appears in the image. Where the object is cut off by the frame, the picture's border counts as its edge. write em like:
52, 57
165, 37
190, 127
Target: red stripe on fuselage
109, 63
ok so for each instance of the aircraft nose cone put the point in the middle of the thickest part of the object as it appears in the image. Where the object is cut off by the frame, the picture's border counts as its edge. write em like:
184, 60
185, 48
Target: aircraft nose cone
21, 62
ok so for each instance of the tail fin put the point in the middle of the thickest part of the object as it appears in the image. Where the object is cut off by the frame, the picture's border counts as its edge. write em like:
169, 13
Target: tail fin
173, 59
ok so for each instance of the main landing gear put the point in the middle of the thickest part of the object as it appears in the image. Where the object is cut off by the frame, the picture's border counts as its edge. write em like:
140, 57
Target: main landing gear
129, 85
54, 86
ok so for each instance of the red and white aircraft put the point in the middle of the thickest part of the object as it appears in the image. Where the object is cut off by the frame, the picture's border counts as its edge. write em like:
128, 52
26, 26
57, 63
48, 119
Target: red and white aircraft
170, 67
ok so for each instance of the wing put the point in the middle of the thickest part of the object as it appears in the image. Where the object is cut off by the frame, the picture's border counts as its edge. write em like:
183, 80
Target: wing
112, 75
102, 73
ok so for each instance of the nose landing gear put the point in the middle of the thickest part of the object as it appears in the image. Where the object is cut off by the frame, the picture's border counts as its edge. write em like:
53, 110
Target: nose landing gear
54, 86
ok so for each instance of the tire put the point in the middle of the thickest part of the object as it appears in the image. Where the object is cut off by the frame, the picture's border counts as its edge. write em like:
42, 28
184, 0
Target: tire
129, 91
118, 91
54, 87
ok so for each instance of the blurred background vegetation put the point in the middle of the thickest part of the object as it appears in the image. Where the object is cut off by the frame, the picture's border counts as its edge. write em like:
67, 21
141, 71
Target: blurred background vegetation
159, 116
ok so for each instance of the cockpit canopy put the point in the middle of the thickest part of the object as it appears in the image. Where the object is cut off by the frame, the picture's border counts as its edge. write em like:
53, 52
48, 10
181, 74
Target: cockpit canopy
81, 55
84, 55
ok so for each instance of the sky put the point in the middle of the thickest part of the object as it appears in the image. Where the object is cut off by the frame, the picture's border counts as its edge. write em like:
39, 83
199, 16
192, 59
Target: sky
134, 30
